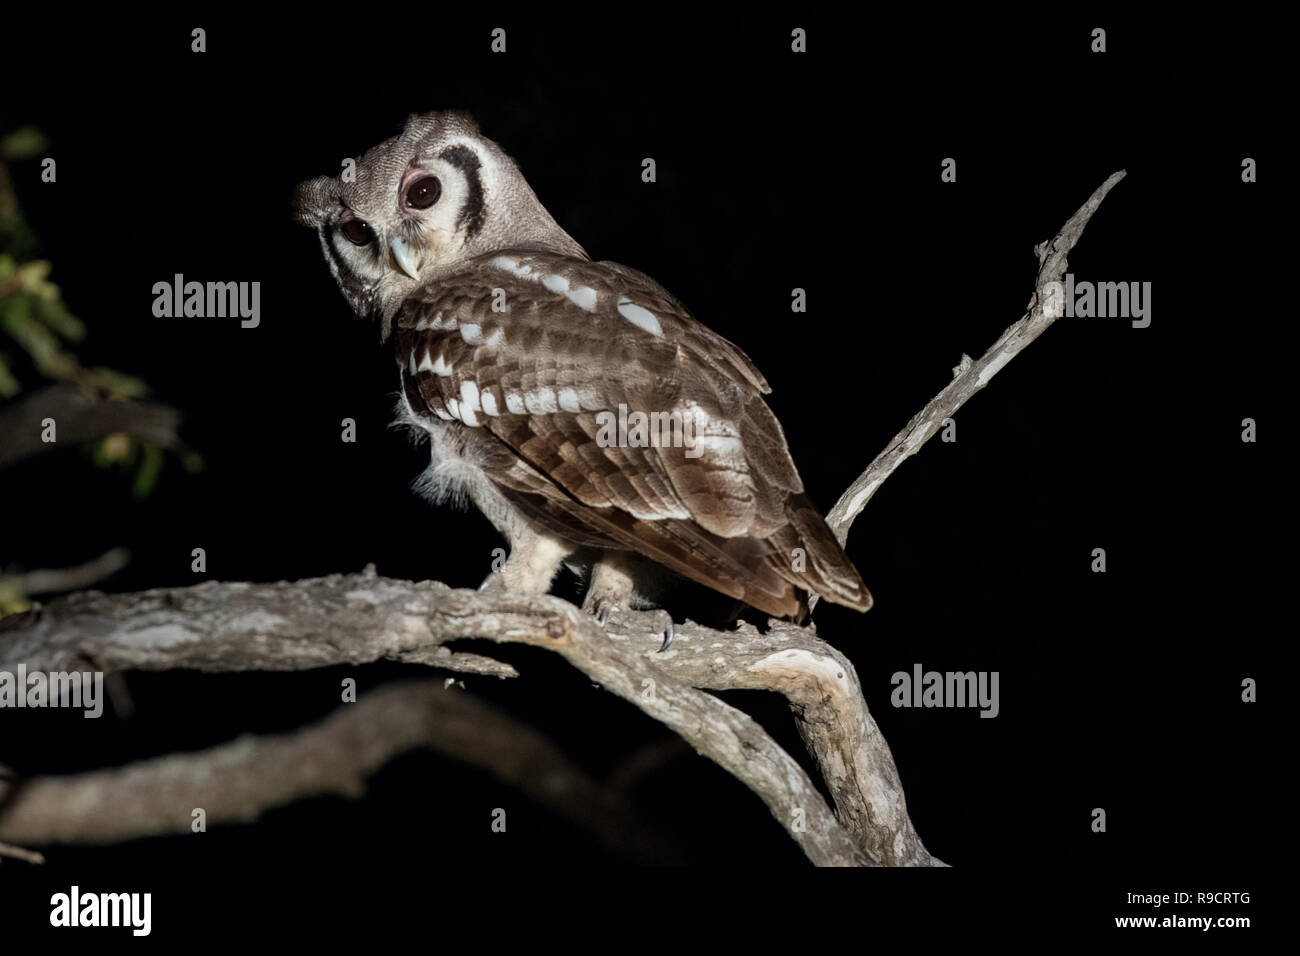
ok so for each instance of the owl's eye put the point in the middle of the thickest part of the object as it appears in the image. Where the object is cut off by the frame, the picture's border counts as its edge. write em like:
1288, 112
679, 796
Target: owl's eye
423, 193
357, 232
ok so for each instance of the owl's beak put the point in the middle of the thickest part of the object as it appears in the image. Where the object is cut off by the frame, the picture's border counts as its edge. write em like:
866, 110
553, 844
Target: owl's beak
405, 256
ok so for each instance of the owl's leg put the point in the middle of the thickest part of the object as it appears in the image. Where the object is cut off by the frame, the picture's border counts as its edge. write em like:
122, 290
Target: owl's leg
530, 569
612, 580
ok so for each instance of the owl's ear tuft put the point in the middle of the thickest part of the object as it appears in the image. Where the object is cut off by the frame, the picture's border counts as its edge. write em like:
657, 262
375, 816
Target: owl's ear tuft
311, 199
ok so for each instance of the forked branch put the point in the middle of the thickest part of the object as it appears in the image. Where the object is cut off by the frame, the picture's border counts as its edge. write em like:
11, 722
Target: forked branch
363, 617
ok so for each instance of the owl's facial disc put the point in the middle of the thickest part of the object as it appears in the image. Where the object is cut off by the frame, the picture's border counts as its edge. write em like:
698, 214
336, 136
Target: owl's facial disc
419, 206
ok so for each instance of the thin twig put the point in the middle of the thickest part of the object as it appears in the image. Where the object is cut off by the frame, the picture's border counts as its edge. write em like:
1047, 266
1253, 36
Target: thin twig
18, 853
59, 580
969, 377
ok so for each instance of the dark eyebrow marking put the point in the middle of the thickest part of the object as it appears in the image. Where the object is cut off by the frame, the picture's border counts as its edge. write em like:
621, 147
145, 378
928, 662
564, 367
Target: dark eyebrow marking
474, 212
328, 241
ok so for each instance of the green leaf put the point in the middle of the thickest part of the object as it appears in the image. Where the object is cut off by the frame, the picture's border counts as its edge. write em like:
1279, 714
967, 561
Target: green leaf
9, 386
146, 476
117, 384
55, 315
39, 341
23, 143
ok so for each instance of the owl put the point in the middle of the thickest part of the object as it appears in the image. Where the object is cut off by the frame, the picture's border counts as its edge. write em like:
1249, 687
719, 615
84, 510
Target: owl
579, 405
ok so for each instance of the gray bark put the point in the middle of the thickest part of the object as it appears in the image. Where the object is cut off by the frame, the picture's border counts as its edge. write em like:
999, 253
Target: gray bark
359, 618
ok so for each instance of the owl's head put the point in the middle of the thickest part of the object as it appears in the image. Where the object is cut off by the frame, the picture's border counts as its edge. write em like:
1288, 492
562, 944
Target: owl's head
418, 206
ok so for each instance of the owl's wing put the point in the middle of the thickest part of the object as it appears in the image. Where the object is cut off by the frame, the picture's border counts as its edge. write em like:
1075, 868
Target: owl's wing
543, 357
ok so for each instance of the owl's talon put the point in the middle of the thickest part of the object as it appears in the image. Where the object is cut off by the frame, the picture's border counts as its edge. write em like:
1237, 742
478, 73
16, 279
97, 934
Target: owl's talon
669, 634
600, 608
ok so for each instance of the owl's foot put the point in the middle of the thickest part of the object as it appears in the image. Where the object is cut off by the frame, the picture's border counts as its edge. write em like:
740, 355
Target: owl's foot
610, 613
610, 592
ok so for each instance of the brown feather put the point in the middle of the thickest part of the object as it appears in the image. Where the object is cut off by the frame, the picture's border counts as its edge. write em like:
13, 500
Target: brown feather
734, 518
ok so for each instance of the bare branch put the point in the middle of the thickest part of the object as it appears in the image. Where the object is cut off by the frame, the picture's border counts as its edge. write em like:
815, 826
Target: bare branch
80, 416
830, 709
18, 853
341, 619
363, 617
969, 377
71, 579
239, 781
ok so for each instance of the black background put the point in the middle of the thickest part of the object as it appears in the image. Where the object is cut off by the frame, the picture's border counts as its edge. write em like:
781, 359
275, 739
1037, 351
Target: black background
1119, 690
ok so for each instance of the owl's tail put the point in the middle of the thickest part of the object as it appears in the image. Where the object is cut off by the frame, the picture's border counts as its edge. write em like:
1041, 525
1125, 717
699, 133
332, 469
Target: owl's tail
807, 555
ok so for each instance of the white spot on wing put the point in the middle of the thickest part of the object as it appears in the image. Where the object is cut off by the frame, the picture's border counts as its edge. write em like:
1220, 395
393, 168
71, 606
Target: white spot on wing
490, 404
568, 398
469, 396
471, 333
440, 367
642, 318
413, 361
540, 402
584, 297
510, 265
514, 403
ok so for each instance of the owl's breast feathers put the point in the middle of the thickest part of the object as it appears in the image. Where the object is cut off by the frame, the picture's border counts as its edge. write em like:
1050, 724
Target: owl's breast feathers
542, 362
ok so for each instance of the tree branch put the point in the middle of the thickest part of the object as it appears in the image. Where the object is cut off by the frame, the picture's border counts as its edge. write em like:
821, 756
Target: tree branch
18, 853
830, 711
56, 580
969, 377
239, 781
81, 416
363, 617
360, 618
289, 625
